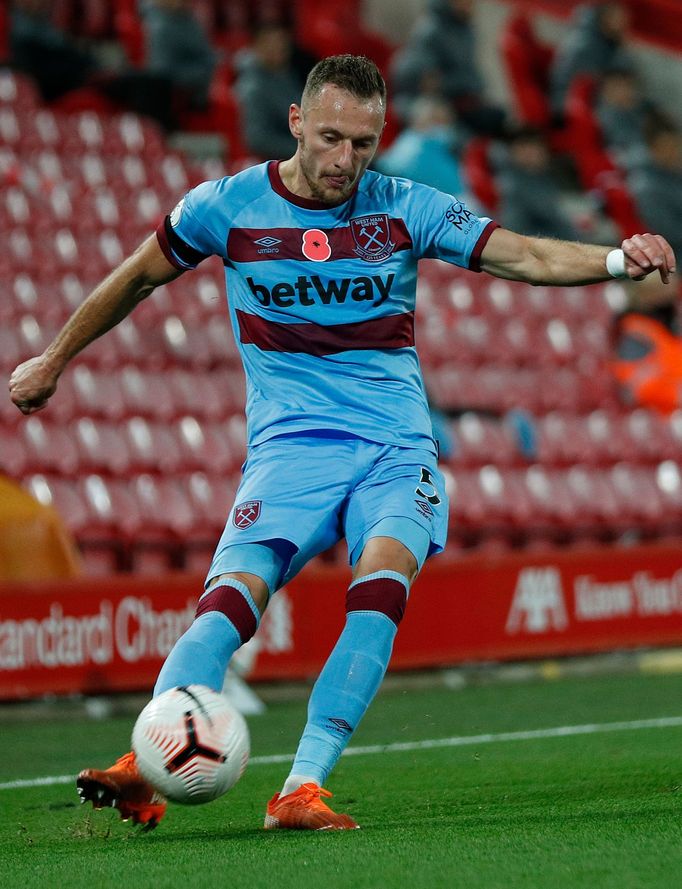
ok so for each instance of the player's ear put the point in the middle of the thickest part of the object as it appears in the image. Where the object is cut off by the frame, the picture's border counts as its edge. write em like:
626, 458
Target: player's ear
296, 121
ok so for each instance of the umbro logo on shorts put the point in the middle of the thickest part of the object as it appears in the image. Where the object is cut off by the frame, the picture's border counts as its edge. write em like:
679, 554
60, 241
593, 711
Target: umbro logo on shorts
246, 513
424, 509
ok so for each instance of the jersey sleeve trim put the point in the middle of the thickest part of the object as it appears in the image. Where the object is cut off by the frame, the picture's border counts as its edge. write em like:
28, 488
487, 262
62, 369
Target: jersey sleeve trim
483, 238
177, 251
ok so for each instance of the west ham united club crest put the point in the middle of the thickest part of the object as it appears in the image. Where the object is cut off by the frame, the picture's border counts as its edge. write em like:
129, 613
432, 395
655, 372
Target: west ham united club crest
245, 514
372, 236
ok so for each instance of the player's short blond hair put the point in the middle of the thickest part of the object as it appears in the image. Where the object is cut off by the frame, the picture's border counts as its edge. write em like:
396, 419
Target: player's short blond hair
358, 75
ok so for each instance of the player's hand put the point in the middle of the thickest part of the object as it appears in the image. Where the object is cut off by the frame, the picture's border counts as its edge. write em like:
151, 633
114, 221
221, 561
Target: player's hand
32, 384
645, 254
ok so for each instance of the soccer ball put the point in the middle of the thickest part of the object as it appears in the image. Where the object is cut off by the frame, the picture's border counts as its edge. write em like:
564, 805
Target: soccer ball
191, 744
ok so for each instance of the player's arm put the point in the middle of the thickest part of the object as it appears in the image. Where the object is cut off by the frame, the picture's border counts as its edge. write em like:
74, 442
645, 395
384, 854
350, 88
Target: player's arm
34, 381
546, 261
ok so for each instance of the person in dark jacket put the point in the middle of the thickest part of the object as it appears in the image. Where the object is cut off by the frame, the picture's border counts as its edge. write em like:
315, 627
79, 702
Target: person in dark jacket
267, 84
178, 48
530, 199
656, 182
596, 43
624, 115
440, 58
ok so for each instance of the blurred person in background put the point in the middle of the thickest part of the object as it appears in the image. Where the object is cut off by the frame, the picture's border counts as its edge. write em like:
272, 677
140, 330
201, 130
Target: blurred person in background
656, 182
440, 57
624, 115
647, 346
56, 61
426, 151
178, 48
267, 84
61, 66
530, 198
596, 43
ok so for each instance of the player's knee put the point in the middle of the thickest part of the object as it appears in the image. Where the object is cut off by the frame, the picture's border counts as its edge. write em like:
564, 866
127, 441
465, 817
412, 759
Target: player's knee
256, 586
233, 599
386, 593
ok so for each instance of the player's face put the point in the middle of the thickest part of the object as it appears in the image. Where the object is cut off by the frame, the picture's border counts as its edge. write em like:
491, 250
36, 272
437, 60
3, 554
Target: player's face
338, 135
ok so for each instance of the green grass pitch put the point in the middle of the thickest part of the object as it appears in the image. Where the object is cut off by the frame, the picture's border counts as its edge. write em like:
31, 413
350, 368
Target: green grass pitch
594, 810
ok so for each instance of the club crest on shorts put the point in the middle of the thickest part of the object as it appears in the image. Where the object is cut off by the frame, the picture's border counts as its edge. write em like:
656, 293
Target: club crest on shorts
372, 237
246, 513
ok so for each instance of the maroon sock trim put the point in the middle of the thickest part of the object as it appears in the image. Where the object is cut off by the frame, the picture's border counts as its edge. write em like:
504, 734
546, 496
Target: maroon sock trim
230, 601
383, 594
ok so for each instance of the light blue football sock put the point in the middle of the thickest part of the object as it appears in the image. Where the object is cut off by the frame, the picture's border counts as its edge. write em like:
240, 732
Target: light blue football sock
344, 689
201, 655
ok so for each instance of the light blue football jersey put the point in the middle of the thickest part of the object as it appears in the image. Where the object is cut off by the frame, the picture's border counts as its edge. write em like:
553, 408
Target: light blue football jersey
322, 298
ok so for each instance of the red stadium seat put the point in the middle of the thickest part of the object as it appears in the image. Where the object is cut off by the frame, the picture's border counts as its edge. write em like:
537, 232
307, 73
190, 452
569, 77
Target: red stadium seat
64, 497
97, 393
563, 440
481, 440
13, 456
146, 393
556, 514
649, 437
167, 518
669, 484
49, 447
102, 447
16, 89
598, 508
205, 447
153, 447
639, 497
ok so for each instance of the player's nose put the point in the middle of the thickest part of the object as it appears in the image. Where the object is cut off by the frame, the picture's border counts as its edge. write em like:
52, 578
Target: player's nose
344, 157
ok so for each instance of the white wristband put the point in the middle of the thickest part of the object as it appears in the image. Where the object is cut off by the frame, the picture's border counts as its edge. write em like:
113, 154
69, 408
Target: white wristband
615, 264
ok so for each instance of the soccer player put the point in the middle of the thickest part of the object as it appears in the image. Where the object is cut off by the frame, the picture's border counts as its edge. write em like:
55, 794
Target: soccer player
320, 260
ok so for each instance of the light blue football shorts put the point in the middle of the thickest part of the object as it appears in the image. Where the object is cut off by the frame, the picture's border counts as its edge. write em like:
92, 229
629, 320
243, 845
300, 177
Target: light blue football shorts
301, 493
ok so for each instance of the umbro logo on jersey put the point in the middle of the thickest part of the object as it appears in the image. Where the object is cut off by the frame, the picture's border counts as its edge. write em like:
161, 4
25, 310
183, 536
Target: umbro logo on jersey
268, 244
314, 290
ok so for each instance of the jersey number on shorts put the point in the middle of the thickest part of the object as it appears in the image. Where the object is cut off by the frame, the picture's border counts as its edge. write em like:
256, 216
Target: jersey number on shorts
426, 488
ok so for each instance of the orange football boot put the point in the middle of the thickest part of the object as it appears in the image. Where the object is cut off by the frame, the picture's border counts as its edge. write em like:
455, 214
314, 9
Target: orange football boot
304, 810
122, 787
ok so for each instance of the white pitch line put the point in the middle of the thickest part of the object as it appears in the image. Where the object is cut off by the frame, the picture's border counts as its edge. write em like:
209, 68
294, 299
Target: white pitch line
562, 731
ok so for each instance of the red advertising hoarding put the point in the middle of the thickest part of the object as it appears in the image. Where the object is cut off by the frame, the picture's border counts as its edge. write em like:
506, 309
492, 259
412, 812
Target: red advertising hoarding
103, 635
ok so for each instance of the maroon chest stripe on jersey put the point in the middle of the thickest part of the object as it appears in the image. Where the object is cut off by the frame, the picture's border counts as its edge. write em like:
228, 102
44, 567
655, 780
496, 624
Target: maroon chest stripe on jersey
258, 244
389, 332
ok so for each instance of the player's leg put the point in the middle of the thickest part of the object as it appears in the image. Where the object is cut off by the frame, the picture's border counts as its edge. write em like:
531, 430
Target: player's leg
227, 616
387, 551
347, 684
262, 534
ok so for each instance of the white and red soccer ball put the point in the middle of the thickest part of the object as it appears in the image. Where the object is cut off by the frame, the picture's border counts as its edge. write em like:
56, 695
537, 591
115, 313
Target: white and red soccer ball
191, 744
